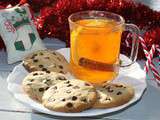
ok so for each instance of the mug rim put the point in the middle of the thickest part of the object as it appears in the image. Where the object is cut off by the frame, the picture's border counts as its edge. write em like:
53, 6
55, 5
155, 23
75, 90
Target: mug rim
121, 22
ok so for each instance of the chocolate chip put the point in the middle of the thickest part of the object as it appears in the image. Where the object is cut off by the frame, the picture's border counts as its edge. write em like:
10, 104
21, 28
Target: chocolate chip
61, 78
109, 87
63, 99
74, 98
99, 97
76, 87
35, 60
47, 88
55, 87
68, 91
58, 58
60, 66
32, 80
33, 56
35, 74
41, 53
48, 71
119, 93
54, 53
40, 66
48, 80
69, 105
41, 89
67, 82
83, 99
69, 85
110, 90
119, 86
86, 84
29, 84
107, 98
44, 69
61, 72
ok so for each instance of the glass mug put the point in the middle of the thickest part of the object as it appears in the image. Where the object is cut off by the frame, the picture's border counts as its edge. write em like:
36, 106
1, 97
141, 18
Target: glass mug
95, 38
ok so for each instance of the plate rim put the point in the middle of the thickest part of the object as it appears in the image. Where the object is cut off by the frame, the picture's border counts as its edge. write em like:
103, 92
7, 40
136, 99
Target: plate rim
130, 103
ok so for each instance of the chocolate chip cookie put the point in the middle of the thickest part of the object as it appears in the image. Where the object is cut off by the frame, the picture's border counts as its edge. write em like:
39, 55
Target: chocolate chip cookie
35, 83
46, 60
113, 95
69, 96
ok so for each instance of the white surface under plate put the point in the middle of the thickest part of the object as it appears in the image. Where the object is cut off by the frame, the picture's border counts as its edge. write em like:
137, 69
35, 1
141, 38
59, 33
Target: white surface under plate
132, 75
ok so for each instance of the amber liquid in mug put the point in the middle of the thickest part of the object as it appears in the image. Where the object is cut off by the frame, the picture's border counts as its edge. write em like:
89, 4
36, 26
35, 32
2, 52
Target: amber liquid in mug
95, 47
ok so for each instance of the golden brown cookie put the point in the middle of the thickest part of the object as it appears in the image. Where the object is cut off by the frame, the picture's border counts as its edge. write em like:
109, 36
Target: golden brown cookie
37, 82
69, 96
113, 95
46, 60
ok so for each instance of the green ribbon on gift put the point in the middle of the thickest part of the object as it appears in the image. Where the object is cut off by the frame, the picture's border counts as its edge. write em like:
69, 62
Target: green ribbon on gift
19, 44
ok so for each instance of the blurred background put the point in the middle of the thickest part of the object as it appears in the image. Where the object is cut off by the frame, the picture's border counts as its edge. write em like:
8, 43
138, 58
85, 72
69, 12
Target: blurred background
154, 4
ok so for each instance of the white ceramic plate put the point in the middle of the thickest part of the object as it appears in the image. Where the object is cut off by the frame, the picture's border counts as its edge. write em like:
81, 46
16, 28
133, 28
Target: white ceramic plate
132, 75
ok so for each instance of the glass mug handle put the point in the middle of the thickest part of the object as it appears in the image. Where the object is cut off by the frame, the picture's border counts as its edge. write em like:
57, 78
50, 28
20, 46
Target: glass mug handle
135, 44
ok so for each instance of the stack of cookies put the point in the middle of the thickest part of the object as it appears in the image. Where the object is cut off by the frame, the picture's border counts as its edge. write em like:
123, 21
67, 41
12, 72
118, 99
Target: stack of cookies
47, 83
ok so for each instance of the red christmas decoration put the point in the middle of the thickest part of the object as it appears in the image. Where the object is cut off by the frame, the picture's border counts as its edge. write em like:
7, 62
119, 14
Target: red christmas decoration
36, 5
5, 3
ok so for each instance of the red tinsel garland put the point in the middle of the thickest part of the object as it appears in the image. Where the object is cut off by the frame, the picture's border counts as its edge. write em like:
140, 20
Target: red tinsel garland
53, 18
